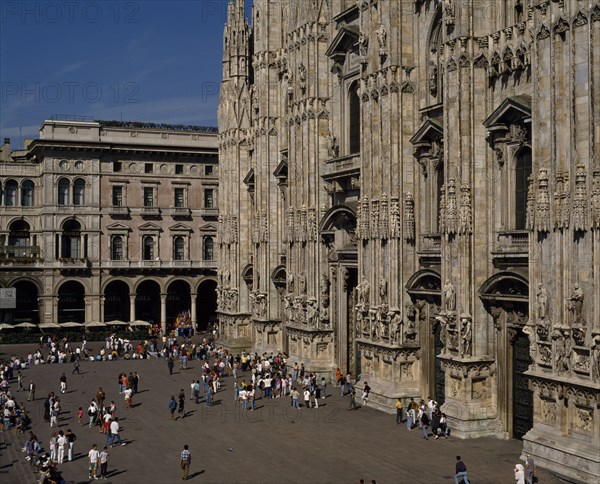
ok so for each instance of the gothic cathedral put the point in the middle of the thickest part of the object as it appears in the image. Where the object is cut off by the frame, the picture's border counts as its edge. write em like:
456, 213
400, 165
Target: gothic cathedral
410, 191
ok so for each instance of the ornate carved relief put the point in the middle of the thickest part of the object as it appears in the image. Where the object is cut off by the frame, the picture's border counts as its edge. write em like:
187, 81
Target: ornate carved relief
584, 417
409, 217
562, 197
548, 411
595, 200
451, 208
542, 213
395, 217
465, 210
580, 200
384, 218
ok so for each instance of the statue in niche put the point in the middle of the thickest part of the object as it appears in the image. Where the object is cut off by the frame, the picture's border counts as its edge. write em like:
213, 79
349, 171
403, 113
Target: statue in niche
466, 337
575, 304
444, 333
290, 282
333, 149
595, 358
363, 43
312, 312
383, 290
562, 351
226, 278
302, 283
449, 296
363, 289
288, 306
395, 327
382, 39
324, 287
542, 301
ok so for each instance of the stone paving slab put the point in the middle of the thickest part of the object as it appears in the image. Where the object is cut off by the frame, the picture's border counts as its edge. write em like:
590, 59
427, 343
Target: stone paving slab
274, 444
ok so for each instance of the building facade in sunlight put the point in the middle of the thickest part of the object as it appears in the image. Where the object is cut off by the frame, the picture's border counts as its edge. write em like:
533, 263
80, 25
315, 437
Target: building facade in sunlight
410, 191
105, 221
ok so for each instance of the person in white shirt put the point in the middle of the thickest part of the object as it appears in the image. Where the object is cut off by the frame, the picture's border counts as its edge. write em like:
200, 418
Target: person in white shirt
61, 444
93, 457
114, 432
307, 398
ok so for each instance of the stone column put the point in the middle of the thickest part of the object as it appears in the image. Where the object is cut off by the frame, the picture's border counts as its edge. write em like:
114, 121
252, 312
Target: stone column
163, 312
193, 297
132, 307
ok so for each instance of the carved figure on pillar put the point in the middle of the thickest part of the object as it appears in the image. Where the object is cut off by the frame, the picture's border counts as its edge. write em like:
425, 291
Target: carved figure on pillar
383, 291
362, 291
382, 40
575, 304
444, 334
533, 346
288, 306
290, 283
363, 43
395, 327
410, 331
595, 358
334, 149
449, 296
312, 312
562, 351
466, 336
542, 301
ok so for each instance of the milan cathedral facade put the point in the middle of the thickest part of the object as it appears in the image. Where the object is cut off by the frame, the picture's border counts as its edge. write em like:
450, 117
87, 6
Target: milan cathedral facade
410, 191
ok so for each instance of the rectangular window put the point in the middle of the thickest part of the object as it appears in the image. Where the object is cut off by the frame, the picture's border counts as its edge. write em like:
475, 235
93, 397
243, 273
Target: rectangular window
148, 197
117, 196
148, 168
208, 170
179, 198
209, 198
117, 166
179, 169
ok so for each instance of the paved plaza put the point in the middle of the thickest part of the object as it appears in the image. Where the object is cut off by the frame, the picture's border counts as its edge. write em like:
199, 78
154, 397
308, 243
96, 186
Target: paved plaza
273, 444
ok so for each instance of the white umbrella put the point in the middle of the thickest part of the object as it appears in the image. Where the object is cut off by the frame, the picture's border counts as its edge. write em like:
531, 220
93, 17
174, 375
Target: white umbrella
49, 325
71, 324
137, 322
116, 322
94, 324
26, 325
4, 326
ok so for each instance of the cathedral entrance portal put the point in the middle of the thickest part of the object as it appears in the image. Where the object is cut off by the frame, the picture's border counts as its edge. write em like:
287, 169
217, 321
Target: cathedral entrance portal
522, 397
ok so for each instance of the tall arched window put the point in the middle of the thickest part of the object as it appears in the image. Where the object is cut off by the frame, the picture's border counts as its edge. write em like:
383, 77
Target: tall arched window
78, 192
148, 248
10, 193
27, 193
353, 119
63, 191
19, 234
117, 248
209, 251
178, 248
522, 173
71, 240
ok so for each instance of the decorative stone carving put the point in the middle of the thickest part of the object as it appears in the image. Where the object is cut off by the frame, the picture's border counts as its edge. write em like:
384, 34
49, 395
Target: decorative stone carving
302, 77
289, 228
363, 222
333, 150
580, 200
542, 301
542, 213
584, 419
264, 227
442, 215
394, 218
374, 218
409, 217
575, 304
561, 200
290, 282
259, 304
449, 303
433, 79
595, 200
595, 359
382, 40
395, 327
312, 224
451, 209
410, 329
444, 332
548, 411
312, 312
384, 218
530, 214
465, 210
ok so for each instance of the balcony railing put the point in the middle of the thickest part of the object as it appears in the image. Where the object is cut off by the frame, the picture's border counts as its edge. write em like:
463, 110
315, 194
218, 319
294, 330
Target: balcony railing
342, 164
209, 212
431, 243
513, 241
150, 211
118, 210
160, 264
20, 252
183, 212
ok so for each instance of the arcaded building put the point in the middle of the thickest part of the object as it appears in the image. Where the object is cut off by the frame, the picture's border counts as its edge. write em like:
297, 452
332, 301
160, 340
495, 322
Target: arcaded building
105, 221
410, 191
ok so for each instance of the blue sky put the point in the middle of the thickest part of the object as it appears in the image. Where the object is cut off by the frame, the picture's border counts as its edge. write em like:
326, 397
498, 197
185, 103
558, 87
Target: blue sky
147, 60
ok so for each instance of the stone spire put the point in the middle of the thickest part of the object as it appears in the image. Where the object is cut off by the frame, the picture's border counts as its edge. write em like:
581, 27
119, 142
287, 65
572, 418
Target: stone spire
236, 43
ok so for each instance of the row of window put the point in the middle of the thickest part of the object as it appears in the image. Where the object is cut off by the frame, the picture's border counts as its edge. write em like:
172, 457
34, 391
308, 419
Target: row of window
13, 194
118, 248
149, 197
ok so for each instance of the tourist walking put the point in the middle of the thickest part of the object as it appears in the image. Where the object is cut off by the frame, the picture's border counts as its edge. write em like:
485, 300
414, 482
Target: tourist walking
31, 391
425, 425
181, 406
529, 469
114, 432
104, 456
461, 471
63, 383
519, 474
76, 367
170, 365
353, 405
399, 409
93, 458
71, 437
61, 444
185, 461
365, 395
172, 406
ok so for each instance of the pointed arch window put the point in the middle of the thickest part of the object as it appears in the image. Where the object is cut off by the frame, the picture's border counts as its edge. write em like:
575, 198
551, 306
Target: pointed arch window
353, 119
522, 173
